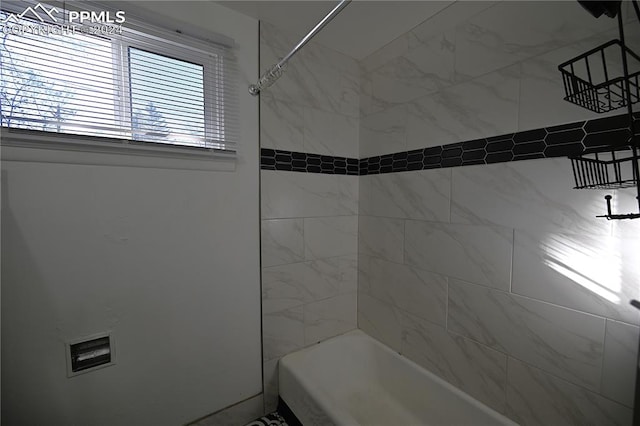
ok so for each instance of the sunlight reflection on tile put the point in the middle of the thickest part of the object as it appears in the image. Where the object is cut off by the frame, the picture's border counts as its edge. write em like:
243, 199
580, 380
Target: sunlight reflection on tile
599, 271
594, 274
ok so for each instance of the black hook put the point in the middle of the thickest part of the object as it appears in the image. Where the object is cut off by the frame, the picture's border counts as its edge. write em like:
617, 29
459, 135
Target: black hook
608, 198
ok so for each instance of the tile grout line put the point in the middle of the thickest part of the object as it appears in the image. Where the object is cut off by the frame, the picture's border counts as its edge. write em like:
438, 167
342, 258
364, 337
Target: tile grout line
604, 352
446, 308
513, 249
528, 364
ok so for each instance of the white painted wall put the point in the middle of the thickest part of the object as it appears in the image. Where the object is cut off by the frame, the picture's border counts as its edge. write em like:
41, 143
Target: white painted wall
166, 259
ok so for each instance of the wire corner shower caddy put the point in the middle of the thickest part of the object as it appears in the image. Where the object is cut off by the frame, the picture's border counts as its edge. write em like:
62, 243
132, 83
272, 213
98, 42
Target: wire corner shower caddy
604, 79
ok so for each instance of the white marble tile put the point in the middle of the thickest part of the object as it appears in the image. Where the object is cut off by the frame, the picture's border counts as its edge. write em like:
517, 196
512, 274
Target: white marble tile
433, 55
289, 194
513, 31
364, 273
274, 44
270, 383
329, 317
537, 398
594, 274
314, 76
348, 274
289, 286
282, 241
453, 15
310, 83
421, 194
281, 124
349, 95
476, 369
289, 87
381, 237
365, 90
282, 333
624, 201
380, 320
424, 69
322, 86
319, 53
317, 77
276, 38
330, 236
483, 107
534, 195
631, 30
478, 254
383, 132
369, 104
323, 278
329, 133
283, 287
421, 293
387, 53
563, 342
620, 362
238, 414
440, 22
542, 90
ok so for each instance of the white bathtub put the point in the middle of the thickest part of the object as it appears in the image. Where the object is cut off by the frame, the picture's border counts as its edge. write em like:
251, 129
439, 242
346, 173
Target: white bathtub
355, 380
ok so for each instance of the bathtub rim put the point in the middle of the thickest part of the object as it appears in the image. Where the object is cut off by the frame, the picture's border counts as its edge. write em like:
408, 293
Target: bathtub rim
342, 417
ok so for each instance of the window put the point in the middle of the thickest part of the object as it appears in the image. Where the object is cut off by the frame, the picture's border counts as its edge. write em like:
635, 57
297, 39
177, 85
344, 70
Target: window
133, 83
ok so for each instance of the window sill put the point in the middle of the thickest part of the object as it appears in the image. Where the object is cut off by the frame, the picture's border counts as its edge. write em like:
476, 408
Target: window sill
46, 147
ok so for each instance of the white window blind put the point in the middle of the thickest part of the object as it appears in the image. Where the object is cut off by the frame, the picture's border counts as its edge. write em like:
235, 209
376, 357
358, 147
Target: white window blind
135, 83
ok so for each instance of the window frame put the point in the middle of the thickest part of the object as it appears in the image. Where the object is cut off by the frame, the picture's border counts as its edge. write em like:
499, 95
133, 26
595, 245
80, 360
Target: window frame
172, 45
209, 71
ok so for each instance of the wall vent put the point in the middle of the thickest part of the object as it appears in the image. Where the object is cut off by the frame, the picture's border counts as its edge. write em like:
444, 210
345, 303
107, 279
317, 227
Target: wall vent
90, 353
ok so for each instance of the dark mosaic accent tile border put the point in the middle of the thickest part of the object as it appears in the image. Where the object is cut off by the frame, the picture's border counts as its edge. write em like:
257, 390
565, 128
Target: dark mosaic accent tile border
556, 141
274, 159
548, 142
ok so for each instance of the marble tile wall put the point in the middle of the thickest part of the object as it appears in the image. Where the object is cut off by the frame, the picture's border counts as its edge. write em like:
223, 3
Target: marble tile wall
453, 79
470, 296
314, 108
309, 264
496, 277
309, 220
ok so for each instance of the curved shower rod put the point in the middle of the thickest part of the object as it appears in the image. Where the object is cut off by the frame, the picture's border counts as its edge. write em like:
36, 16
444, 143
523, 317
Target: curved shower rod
272, 74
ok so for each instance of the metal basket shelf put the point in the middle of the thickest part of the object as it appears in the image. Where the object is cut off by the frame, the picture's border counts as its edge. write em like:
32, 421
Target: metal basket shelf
608, 168
595, 79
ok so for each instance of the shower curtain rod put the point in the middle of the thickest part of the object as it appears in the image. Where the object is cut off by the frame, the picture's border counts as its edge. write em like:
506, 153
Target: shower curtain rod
274, 73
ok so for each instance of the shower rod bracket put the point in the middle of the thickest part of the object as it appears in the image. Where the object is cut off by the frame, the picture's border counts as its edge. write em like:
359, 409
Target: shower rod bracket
274, 73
